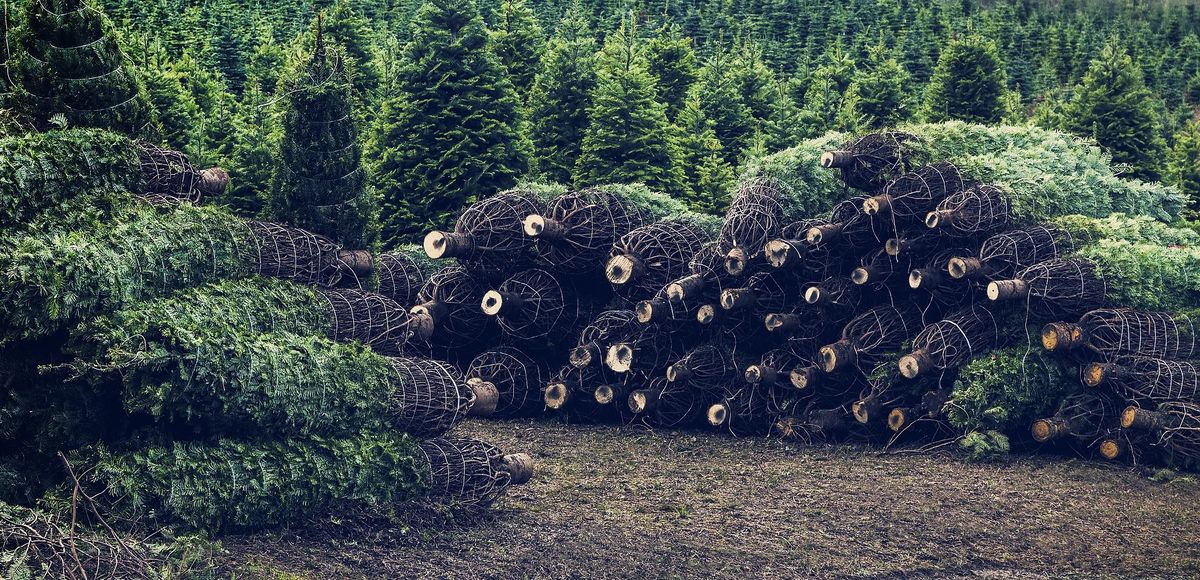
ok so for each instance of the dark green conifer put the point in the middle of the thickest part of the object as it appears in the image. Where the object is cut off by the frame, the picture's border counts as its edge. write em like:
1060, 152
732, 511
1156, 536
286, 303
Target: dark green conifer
968, 83
518, 42
560, 97
672, 62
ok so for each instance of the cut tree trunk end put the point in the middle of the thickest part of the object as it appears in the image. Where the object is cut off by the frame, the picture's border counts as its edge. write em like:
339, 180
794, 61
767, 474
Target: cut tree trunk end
960, 268
924, 278
519, 467
584, 355
823, 234
900, 417
620, 357
423, 321
1007, 290
717, 414
781, 253
537, 226
648, 311
678, 372
440, 244
487, 397
1113, 449
866, 410
838, 355
1141, 419
1096, 374
738, 298
642, 400
736, 261
1049, 429
942, 218
916, 364
687, 287
1063, 336
706, 314
624, 269
838, 159
756, 374
605, 394
861, 276
495, 303
556, 395
877, 204
804, 377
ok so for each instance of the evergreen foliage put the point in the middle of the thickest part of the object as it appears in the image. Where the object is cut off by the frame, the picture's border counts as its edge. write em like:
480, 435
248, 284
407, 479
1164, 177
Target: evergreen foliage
967, 84
1114, 107
319, 184
204, 485
1146, 275
450, 136
708, 175
628, 139
560, 98
672, 62
807, 188
1183, 164
518, 42
877, 96
68, 62
721, 102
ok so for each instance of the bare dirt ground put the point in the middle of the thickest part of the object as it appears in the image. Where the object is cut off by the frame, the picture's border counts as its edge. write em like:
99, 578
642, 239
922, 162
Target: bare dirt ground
611, 502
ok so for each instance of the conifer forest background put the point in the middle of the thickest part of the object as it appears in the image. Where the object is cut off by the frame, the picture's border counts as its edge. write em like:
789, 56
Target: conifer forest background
454, 100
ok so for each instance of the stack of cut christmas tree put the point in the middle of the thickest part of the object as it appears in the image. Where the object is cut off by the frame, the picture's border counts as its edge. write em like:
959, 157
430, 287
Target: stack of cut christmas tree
207, 370
885, 288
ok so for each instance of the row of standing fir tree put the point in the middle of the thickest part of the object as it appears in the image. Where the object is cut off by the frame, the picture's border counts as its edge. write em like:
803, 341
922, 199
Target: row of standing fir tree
472, 110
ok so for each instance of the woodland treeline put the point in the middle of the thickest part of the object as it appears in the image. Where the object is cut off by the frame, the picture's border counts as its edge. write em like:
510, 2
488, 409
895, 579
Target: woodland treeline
410, 110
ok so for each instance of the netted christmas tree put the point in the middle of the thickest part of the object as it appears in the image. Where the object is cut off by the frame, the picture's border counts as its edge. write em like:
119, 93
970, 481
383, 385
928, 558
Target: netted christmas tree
67, 61
319, 182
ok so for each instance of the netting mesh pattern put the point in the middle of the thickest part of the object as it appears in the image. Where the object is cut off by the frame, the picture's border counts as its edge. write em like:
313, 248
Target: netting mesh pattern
669, 404
1123, 331
465, 471
1061, 287
518, 378
168, 175
373, 319
879, 331
1005, 254
976, 210
1180, 432
588, 223
428, 396
662, 252
871, 160
1144, 380
755, 216
400, 277
915, 194
295, 254
450, 299
959, 337
492, 233
704, 368
539, 307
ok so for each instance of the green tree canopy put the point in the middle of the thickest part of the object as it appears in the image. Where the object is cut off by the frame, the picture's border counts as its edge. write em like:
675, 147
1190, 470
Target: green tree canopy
518, 41
450, 135
560, 97
968, 83
672, 62
877, 96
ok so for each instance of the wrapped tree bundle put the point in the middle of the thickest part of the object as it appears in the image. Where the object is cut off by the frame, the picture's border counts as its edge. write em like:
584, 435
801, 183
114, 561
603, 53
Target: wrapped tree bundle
755, 216
203, 485
879, 269
447, 315
848, 228
260, 384
745, 408
50, 281
517, 379
48, 169
812, 425
608, 327
801, 323
1174, 428
489, 237
1055, 288
1003, 255
252, 305
402, 273
1113, 332
978, 209
648, 349
869, 162
911, 196
805, 187
793, 251
930, 278
1001, 393
836, 294
703, 285
666, 404
962, 336
647, 258
774, 368
579, 228
537, 309
1082, 417
1146, 380
764, 293
871, 336
592, 393
705, 368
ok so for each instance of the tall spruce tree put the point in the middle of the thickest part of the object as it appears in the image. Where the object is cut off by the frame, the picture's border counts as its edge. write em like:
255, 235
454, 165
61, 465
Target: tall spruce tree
450, 135
1183, 163
968, 83
672, 62
721, 101
628, 139
252, 158
1113, 106
560, 97
344, 26
707, 174
319, 183
518, 41
877, 96
67, 61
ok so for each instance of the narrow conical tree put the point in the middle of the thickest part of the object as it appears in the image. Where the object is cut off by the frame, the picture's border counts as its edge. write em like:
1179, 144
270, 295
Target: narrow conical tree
319, 183
351, 31
672, 62
708, 176
67, 61
560, 97
1183, 164
876, 97
450, 135
628, 139
968, 83
1113, 106
722, 104
252, 158
518, 41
